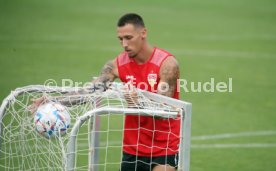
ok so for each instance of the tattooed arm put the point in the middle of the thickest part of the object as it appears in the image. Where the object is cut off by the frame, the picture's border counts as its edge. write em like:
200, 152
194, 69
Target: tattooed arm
169, 73
108, 74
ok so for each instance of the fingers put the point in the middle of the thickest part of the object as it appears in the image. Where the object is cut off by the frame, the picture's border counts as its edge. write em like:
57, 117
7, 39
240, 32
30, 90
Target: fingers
36, 103
130, 95
32, 108
39, 100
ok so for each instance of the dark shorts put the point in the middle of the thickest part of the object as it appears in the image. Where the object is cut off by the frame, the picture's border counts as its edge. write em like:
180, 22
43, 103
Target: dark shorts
133, 163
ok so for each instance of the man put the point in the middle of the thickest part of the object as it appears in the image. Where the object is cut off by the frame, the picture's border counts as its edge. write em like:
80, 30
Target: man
149, 144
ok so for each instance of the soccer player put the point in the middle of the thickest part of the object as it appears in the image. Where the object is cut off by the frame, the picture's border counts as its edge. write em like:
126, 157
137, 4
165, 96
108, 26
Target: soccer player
149, 143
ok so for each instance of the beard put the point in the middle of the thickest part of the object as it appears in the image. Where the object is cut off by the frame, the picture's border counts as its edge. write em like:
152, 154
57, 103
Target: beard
131, 55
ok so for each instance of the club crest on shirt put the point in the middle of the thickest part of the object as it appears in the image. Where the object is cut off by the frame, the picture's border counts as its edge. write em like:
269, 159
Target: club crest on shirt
152, 79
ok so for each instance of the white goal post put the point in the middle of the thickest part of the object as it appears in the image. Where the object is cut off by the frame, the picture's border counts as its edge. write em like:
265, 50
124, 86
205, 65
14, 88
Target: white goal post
22, 148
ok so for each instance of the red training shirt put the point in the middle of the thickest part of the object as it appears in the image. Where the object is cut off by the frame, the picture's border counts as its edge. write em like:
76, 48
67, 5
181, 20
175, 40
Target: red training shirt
144, 135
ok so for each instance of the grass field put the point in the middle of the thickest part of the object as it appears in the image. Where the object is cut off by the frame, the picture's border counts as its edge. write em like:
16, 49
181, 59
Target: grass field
217, 39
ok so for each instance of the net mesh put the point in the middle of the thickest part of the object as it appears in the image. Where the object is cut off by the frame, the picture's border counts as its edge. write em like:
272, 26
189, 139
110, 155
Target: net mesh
22, 148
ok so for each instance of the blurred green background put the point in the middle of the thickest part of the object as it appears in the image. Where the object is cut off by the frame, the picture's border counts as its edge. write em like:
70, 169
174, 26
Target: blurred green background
220, 39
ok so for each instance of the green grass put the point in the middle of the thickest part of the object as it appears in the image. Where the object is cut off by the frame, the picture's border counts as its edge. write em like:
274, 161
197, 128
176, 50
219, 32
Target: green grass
210, 38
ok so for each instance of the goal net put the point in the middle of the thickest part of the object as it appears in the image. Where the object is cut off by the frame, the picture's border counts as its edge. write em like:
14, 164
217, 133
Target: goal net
94, 138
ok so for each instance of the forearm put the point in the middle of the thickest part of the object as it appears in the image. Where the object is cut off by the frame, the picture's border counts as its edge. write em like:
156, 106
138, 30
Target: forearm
99, 85
78, 97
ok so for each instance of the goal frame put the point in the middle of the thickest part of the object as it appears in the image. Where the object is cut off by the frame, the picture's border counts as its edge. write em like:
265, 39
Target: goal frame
184, 109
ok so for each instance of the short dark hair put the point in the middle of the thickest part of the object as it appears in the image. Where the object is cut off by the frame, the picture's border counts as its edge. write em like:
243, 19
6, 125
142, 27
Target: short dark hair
131, 18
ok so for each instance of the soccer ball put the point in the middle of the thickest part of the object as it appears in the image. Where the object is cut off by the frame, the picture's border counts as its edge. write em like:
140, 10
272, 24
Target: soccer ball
51, 119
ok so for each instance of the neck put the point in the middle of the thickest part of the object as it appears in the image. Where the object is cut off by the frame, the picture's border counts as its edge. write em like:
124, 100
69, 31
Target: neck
144, 55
